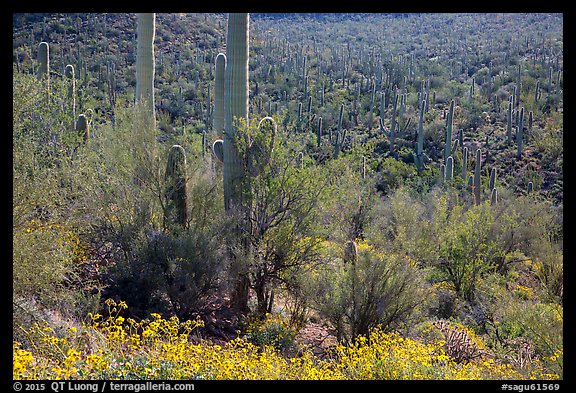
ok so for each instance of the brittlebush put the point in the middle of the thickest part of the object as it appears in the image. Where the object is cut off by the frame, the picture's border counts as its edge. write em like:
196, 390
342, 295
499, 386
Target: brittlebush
159, 348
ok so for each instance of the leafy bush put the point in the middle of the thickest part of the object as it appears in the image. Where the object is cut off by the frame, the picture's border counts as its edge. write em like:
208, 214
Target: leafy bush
165, 272
273, 331
377, 289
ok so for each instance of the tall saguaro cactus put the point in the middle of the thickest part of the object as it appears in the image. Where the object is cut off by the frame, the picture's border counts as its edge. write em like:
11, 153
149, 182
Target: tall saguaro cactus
236, 104
43, 60
218, 120
420, 157
44, 66
449, 149
519, 134
477, 178
145, 62
71, 79
236, 112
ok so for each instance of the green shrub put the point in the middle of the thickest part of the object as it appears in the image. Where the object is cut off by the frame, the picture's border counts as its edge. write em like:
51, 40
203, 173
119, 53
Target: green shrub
166, 272
378, 289
273, 331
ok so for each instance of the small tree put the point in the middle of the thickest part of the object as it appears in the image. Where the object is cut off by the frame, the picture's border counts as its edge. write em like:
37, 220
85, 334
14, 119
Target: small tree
282, 228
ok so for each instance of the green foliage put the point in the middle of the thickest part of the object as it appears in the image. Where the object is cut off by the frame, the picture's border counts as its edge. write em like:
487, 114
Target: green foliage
466, 249
46, 175
88, 218
166, 272
378, 289
273, 331
392, 174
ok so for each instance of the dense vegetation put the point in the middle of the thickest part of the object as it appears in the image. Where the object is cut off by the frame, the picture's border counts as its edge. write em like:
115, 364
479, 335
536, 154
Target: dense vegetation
402, 192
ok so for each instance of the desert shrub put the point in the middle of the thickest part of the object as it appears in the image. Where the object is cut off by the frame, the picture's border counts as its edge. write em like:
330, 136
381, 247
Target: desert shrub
521, 328
381, 355
111, 346
274, 331
392, 174
48, 204
375, 289
173, 269
167, 272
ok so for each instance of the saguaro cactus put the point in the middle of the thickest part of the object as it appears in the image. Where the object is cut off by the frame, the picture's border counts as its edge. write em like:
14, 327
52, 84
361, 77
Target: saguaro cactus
449, 149
43, 60
218, 119
176, 180
218, 149
44, 67
350, 252
83, 128
69, 73
449, 169
519, 133
494, 196
319, 132
492, 183
477, 179
260, 149
145, 62
509, 123
464, 162
420, 157
236, 104
338, 142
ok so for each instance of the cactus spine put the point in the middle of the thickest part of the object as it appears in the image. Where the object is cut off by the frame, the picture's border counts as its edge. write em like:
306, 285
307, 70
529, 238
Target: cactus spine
236, 104
176, 180
145, 62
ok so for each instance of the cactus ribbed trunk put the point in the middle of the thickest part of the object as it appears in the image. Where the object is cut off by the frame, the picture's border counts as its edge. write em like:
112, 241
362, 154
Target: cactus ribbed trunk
236, 104
145, 62
236, 108
218, 120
